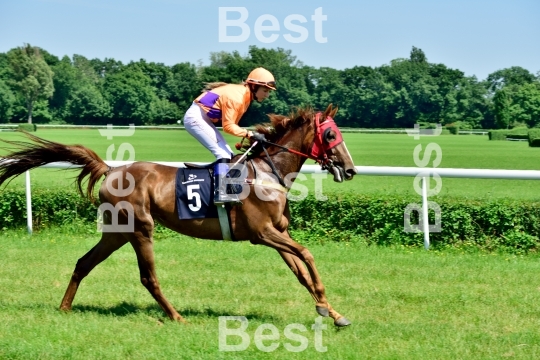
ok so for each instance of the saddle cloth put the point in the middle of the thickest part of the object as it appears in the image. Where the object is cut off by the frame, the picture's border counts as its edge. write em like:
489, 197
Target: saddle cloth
194, 194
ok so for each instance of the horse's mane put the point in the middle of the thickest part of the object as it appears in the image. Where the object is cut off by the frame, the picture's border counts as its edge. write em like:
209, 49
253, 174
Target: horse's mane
281, 124
212, 85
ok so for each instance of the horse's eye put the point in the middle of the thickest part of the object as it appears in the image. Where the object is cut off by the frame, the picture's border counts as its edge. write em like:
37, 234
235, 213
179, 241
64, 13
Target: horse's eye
329, 135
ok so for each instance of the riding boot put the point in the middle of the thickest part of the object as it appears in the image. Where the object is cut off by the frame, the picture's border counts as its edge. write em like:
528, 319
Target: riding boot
221, 197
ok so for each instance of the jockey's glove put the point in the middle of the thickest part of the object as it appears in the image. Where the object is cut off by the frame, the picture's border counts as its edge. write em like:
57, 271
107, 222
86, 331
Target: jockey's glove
257, 137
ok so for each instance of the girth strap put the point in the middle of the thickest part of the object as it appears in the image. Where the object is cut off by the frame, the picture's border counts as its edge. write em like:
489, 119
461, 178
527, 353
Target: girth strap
224, 223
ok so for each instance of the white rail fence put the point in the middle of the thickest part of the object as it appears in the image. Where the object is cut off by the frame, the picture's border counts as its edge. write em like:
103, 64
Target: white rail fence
13, 127
423, 173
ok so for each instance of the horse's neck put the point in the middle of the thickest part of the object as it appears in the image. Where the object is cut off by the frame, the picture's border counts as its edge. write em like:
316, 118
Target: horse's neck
287, 162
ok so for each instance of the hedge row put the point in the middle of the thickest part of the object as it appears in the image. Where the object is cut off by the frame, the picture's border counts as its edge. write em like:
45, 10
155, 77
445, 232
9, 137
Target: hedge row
516, 133
491, 225
49, 208
534, 137
28, 127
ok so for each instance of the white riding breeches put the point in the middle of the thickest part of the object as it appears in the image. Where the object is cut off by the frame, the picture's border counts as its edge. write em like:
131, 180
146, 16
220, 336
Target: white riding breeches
201, 127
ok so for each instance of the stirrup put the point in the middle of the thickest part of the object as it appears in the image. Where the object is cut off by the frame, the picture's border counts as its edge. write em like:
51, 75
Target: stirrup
221, 195
222, 199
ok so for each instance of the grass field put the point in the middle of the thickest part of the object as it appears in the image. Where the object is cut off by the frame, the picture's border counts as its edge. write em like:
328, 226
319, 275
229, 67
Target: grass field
403, 303
366, 149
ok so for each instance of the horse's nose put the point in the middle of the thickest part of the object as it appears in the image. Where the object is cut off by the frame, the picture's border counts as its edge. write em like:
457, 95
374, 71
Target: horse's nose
351, 171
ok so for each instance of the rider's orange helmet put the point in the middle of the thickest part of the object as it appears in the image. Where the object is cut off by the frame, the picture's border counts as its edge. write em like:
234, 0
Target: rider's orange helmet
261, 76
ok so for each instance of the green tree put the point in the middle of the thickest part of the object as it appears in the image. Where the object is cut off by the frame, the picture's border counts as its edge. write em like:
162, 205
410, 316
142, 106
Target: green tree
86, 105
41, 113
367, 98
501, 105
515, 97
175, 88
449, 85
31, 76
164, 112
231, 68
65, 82
7, 101
131, 95
472, 104
49, 58
77, 98
5, 70
105, 67
514, 75
416, 93
159, 75
525, 104
326, 87
184, 85
418, 56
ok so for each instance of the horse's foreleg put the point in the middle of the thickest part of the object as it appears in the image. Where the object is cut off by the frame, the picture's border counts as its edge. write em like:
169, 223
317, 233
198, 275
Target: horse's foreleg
144, 249
297, 267
109, 243
282, 242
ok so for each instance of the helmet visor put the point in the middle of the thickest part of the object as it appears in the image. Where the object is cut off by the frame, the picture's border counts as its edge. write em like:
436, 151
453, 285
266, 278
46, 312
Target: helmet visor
270, 84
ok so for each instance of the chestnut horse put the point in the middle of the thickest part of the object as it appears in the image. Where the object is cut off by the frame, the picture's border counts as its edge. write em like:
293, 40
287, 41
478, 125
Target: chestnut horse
291, 140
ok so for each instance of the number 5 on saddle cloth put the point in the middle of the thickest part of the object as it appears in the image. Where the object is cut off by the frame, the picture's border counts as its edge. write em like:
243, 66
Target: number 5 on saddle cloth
199, 189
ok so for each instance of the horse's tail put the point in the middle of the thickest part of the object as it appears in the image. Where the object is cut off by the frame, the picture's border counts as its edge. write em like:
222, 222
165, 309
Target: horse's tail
41, 152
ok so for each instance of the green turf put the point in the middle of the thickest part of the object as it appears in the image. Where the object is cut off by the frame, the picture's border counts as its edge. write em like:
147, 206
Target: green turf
366, 149
403, 303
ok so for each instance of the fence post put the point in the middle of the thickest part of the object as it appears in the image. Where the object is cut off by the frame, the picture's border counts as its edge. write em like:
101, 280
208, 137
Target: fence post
28, 203
425, 212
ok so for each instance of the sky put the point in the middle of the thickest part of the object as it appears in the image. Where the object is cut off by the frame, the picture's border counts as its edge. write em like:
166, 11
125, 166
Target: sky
477, 37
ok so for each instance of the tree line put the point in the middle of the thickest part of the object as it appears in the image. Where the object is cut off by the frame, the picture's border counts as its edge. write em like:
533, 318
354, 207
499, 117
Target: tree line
39, 87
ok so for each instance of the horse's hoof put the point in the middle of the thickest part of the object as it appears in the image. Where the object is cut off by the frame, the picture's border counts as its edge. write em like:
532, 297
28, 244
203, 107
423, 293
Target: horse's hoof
342, 322
180, 319
322, 311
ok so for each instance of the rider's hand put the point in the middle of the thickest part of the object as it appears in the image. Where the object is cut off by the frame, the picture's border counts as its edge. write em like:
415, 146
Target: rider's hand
257, 137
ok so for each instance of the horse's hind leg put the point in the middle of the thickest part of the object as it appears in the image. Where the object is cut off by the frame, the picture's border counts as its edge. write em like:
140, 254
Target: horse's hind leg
109, 243
143, 245
297, 267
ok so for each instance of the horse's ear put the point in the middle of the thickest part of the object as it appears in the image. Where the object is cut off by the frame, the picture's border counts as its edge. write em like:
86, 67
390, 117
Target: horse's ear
333, 112
327, 111
330, 111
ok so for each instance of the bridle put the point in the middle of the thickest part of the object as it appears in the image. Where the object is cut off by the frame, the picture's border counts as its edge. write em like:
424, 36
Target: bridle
320, 147
318, 150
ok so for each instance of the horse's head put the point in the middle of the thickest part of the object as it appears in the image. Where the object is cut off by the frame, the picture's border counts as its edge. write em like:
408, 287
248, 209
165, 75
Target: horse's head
328, 147
313, 135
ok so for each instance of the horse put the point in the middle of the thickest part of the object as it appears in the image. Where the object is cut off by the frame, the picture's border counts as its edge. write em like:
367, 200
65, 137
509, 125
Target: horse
290, 141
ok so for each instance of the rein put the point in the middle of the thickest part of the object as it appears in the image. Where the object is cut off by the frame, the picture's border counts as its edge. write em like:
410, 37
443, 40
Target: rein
289, 150
317, 147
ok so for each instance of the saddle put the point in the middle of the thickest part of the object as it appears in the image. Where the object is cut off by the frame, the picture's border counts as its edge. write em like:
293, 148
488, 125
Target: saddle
231, 189
201, 166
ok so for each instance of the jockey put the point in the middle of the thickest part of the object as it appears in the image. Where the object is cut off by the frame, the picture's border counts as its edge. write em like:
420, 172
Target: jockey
226, 102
